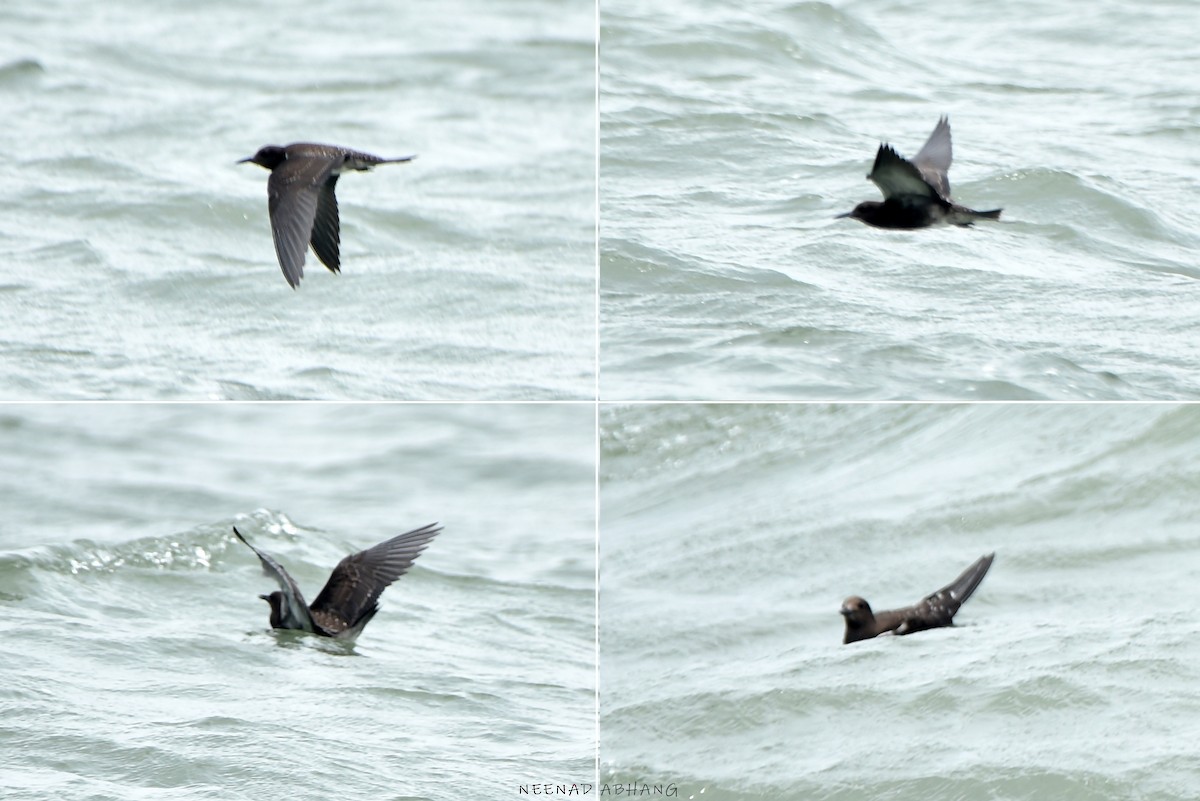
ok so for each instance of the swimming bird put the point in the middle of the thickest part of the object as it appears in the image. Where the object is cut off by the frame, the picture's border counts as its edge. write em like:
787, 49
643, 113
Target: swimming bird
301, 201
916, 193
931, 612
350, 597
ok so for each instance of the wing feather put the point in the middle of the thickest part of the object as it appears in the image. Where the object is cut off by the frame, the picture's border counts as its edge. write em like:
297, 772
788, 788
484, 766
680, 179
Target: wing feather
293, 194
326, 234
295, 610
934, 158
898, 177
356, 583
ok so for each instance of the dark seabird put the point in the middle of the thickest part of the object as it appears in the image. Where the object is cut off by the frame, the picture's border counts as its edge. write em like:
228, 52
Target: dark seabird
301, 201
350, 597
931, 612
916, 193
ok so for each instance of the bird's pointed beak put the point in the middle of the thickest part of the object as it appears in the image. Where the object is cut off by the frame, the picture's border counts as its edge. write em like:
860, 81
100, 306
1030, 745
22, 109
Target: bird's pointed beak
266, 598
243, 161
847, 214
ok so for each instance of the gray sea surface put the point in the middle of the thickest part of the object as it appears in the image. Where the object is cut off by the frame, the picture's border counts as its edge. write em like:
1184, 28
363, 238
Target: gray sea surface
137, 256
137, 661
731, 534
733, 133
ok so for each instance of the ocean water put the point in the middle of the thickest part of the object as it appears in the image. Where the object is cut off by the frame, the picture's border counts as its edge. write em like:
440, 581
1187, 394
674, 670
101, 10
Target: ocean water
137, 256
731, 534
139, 663
733, 133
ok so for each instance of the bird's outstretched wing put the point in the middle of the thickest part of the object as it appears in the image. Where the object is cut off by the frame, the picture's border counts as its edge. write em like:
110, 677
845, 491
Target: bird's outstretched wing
934, 158
293, 195
294, 611
898, 177
349, 597
326, 234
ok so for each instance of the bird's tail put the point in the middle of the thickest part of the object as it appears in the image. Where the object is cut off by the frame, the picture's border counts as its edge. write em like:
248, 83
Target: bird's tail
961, 215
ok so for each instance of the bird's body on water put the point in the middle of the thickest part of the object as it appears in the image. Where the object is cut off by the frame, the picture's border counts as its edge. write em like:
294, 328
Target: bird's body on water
350, 597
933, 611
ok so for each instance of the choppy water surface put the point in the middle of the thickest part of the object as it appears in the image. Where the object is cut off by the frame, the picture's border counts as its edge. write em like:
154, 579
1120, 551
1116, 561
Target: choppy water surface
733, 133
138, 663
731, 534
138, 261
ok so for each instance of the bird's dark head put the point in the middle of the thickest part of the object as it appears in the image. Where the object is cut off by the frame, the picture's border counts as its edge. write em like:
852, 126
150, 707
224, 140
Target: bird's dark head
270, 157
865, 211
275, 599
856, 611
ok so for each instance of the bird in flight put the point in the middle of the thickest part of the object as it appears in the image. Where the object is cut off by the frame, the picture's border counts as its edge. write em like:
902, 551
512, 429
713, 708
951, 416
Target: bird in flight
916, 194
932, 611
300, 199
350, 597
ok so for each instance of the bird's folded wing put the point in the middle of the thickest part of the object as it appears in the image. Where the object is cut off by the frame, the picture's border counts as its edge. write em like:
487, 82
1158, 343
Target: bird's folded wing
945, 603
939, 608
